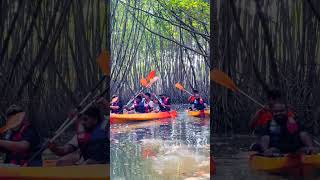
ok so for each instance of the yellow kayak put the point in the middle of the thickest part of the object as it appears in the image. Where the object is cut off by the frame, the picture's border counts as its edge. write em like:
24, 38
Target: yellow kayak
87, 172
199, 113
284, 163
118, 118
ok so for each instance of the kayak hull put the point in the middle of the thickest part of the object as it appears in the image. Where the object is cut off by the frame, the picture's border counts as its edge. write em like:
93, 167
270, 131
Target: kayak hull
118, 118
285, 163
90, 172
199, 113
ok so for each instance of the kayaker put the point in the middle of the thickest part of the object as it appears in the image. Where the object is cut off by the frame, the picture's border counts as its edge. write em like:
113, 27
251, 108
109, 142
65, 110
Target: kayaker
156, 104
21, 140
148, 103
89, 145
198, 103
138, 106
166, 104
282, 134
263, 115
116, 106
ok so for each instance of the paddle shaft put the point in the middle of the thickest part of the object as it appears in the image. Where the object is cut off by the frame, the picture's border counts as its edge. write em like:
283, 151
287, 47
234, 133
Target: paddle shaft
255, 101
44, 147
83, 101
138, 92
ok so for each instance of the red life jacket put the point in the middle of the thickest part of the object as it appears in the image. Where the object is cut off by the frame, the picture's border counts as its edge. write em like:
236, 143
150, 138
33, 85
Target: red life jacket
166, 101
21, 158
191, 99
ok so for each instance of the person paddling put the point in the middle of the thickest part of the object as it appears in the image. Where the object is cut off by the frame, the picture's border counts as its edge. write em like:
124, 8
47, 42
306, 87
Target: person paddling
89, 145
277, 129
282, 134
21, 140
138, 106
166, 103
116, 105
197, 103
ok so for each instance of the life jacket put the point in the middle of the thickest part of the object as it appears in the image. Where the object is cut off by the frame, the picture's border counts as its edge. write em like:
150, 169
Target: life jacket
265, 117
191, 99
139, 107
165, 102
85, 139
19, 158
147, 107
117, 111
199, 105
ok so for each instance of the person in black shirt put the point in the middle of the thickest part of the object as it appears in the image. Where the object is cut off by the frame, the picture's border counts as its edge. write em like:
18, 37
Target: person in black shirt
21, 139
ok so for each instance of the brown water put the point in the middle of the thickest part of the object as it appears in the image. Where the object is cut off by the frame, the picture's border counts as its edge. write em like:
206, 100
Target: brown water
174, 148
232, 161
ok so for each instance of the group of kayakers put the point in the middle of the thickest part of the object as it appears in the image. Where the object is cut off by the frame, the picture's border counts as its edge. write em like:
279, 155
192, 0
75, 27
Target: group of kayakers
277, 129
21, 142
147, 102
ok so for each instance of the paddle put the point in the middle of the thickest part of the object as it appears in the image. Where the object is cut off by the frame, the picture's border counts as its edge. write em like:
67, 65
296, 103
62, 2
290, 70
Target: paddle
45, 145
151, 75
223, 79
144, 83
102, 61
152, 81
180, 87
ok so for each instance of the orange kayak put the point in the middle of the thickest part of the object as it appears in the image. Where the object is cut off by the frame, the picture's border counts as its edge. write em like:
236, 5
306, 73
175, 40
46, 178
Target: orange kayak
199, 113
284, 163
118, 118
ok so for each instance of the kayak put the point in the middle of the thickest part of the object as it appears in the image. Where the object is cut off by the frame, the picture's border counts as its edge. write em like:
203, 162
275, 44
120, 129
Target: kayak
198, 113
90, 172
283, 163
118, 118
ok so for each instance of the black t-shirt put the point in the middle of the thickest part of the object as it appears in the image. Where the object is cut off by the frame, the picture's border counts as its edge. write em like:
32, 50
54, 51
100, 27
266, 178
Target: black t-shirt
31, 136
120, 110
280, 137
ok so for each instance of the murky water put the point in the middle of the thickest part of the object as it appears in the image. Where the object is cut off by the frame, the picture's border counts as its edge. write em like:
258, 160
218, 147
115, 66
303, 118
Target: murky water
175, 148
232, 161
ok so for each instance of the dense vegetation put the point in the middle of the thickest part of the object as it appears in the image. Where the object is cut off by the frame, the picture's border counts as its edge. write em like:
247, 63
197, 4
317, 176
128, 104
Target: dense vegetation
169, 36
264, 44
48, 51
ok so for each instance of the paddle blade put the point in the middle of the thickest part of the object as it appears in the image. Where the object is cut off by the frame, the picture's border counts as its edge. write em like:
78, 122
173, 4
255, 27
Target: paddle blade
151, 75
144, 82
179, 86
13, 122
223, 79
103, 61
152, 81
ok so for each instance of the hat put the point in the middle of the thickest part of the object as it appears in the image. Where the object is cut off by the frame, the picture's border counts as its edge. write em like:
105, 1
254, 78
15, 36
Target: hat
13, 109
13, 121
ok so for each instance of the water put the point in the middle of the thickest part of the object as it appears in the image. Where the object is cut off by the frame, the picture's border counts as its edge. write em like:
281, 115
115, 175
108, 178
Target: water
175, 148
232, 161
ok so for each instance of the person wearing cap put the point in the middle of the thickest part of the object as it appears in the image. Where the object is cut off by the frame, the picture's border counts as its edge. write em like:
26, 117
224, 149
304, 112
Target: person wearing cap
21, 140
116, 106
89, 145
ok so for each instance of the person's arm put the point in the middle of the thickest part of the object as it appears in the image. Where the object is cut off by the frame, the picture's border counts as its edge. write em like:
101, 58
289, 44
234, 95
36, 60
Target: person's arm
115, 107
62, 150
13, 146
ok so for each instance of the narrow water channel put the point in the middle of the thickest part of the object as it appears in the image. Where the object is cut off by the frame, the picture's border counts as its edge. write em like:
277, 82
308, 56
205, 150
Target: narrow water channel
174, 148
